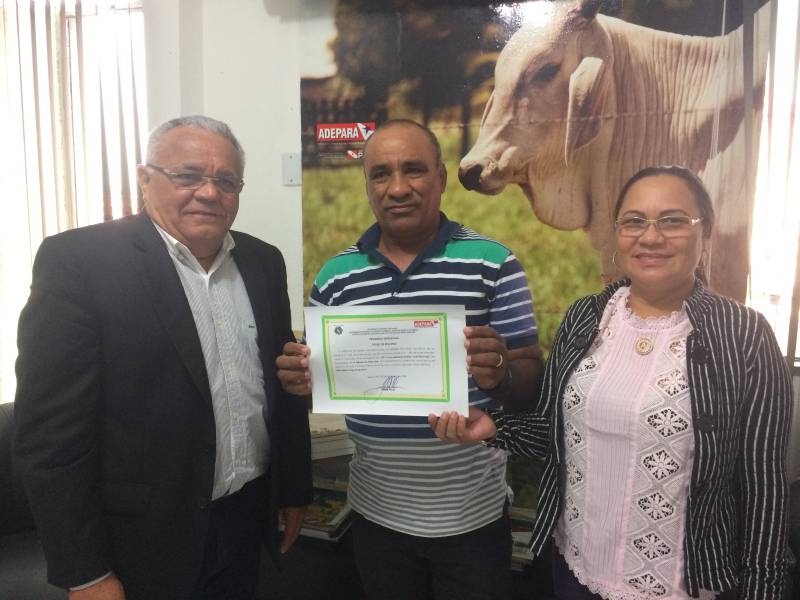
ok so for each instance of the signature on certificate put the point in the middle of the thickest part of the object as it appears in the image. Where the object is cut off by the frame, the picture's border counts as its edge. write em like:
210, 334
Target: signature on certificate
390, 384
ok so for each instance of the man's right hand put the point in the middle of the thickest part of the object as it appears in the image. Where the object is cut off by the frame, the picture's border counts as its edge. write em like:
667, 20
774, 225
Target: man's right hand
293, 371
109, 588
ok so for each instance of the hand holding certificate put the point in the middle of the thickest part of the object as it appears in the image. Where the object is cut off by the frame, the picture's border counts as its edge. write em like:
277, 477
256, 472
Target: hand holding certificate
394, 360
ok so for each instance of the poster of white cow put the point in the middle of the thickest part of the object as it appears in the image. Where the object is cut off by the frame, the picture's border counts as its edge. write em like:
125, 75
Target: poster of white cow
582, 101
544, 109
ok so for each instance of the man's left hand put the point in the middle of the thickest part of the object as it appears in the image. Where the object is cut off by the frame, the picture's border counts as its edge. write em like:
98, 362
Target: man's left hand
290, 520
487, 356
452, 427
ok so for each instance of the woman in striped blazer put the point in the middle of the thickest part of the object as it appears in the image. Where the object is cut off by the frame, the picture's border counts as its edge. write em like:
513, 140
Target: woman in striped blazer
663, 421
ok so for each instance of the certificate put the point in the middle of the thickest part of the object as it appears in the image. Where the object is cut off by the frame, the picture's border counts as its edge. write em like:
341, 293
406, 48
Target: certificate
387, 360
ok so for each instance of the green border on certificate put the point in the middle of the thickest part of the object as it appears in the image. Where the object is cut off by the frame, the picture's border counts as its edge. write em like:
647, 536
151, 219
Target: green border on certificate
332, 320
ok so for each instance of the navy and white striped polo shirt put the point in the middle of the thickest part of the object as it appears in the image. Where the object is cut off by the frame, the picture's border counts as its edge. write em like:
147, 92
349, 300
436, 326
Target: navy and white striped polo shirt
401, 475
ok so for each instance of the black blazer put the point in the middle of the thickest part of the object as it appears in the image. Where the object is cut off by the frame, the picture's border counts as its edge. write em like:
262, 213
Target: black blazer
115, 429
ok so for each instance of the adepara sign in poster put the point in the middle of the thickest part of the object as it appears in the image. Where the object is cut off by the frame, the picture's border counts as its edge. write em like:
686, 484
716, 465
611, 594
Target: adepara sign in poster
341, 141
543, 110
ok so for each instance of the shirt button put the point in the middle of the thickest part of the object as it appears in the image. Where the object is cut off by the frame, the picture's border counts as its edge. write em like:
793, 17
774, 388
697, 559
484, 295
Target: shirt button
580, 341
700, 354
705, 422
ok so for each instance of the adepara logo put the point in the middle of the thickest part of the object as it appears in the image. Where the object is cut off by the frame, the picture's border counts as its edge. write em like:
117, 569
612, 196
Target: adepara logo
344, 132
426, 323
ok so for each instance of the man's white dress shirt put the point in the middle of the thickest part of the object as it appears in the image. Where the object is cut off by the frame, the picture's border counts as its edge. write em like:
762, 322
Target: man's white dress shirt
227, 331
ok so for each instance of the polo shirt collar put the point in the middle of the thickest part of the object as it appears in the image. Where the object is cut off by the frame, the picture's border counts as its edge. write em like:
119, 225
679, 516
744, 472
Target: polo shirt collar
369, 240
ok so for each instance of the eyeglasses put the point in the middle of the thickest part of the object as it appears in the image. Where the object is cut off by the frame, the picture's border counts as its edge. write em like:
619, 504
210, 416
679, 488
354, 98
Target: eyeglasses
671, 226
192, 181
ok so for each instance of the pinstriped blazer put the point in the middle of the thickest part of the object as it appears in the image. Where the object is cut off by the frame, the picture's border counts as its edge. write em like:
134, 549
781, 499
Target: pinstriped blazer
741, 409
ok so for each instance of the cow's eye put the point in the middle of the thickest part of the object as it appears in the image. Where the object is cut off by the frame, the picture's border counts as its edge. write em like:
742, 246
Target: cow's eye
546, 73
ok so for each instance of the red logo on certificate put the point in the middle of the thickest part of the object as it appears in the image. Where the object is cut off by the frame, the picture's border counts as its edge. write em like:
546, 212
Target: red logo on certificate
426, 323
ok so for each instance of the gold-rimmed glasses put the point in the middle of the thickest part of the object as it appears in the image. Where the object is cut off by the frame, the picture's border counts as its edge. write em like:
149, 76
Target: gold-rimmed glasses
670, 226
188, 180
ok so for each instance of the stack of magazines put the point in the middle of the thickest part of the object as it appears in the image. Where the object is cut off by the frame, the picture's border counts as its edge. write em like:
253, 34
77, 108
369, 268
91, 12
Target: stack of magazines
328, 516
523, 478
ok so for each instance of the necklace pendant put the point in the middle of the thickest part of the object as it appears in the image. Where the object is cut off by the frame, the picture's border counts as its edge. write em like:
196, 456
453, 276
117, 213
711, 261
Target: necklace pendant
643, 346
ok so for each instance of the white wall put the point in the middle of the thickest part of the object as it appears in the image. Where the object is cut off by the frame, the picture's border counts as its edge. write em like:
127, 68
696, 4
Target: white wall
238, 61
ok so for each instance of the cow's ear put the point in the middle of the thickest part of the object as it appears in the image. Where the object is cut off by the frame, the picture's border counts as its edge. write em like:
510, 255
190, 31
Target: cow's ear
588, 90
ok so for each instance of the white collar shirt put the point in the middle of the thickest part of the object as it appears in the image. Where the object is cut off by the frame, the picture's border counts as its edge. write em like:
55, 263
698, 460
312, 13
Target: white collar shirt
226, 327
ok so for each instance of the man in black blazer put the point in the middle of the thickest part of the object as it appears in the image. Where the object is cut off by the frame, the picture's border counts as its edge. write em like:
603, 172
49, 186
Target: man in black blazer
157, 449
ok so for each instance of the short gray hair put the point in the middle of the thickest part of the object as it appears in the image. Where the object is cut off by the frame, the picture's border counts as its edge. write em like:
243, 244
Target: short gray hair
194, 122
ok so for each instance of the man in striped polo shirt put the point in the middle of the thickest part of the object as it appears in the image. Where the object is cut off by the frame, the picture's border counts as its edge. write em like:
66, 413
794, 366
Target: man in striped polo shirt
429, 515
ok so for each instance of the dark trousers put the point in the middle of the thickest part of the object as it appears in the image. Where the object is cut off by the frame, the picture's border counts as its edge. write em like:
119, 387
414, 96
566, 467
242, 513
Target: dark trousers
396, 566
567, 587
233, 545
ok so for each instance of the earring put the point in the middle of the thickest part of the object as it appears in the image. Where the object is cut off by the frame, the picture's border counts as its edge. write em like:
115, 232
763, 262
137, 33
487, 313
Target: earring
614, 260
704, 257
705, 261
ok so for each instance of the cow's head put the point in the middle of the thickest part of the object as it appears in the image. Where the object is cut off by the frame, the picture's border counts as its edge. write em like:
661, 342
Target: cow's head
551, 83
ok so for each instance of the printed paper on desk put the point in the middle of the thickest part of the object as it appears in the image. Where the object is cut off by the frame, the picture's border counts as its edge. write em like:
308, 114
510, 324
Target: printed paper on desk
387, 360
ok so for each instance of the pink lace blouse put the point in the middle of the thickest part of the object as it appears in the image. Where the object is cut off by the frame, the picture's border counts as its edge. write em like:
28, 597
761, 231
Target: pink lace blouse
628, 453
